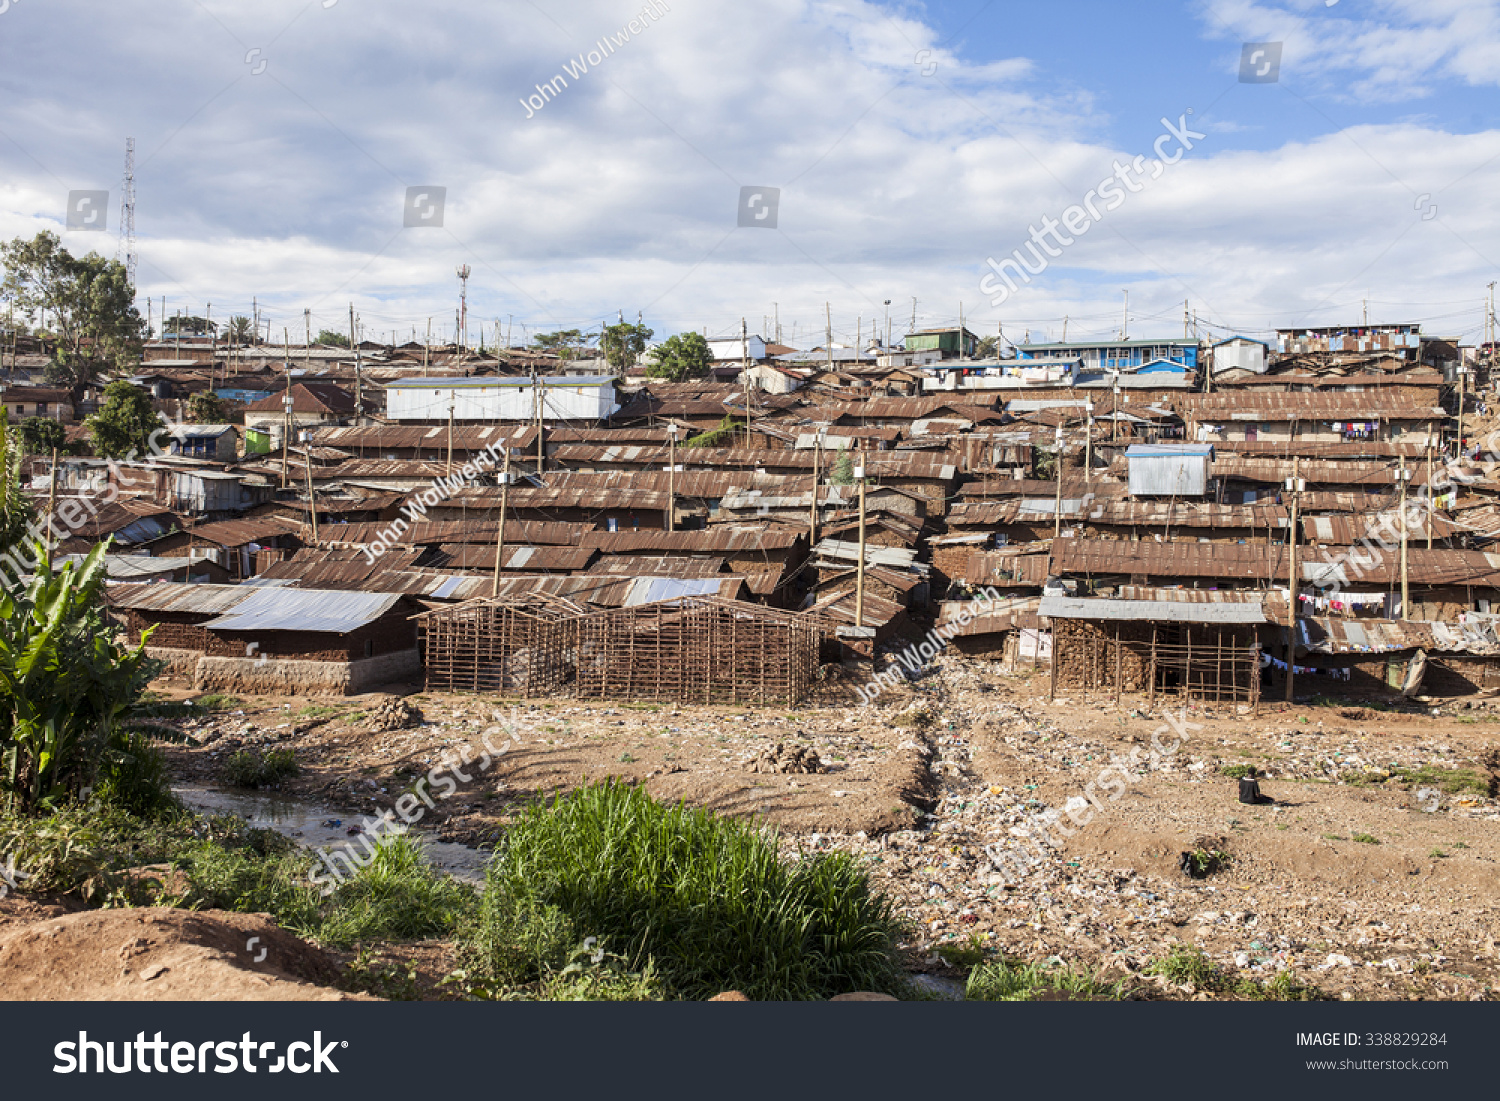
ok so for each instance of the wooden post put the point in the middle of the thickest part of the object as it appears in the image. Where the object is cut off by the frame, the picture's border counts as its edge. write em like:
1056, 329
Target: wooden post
51, 502
671, 477
1151, 692
500, 535
452, 400
286, 424
312, 500
1057, 462
1401, 475
1430, 504
1291, 616
859, 577
812, 520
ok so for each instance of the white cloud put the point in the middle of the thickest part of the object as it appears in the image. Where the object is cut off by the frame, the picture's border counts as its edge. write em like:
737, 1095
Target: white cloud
620, 192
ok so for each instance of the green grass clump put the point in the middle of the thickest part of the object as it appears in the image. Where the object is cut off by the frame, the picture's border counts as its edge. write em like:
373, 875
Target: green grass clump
254, 768
1013, 981
708, 902
962, 953
394, 896
1187, 964
1452, 781
1365, 838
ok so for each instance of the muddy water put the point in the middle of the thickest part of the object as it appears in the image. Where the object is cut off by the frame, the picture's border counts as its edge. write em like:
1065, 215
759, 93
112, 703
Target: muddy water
302, 821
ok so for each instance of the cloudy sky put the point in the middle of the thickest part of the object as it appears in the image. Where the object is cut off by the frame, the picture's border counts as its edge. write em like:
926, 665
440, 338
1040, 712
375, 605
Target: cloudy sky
277, 140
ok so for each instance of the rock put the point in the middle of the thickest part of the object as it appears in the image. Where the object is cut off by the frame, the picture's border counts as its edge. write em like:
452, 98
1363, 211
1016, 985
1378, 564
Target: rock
863, 996
778, 758
392, 713
729, 996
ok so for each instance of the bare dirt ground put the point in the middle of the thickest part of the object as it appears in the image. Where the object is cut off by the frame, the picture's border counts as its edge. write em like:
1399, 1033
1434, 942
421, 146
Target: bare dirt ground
155, 954
1375, 874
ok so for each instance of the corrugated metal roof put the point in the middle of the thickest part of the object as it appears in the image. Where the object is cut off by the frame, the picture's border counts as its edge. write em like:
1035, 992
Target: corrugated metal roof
329, 611
237, 533
433, 532
487, 381
1150, 611
177, 598
638, 566
721, 539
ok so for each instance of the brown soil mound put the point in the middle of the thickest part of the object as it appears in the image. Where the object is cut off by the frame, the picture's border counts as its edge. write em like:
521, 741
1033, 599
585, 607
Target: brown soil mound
161, 955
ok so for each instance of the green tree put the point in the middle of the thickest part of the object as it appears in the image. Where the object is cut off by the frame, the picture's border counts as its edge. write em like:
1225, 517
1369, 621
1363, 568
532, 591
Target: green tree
332, 339
988, 348
124, 423
40, 435
679, 358
72, 698
16, 511
563, 343
240, 330
187, 325
843, 470
88, 301
624, 343
206, 407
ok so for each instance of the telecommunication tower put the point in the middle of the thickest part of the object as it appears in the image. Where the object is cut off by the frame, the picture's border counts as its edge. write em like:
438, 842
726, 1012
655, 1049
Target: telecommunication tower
127, 215
463, 306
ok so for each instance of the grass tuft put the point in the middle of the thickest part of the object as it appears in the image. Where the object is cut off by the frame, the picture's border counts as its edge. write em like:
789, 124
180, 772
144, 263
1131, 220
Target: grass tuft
708, 902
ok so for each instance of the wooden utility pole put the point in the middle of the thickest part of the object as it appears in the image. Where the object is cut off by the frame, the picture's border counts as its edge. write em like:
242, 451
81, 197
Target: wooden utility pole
1463, 396
1402, 475
51, 502
859, 576
500, 535
671, 477
812, 519
1431, 504
1294, 484
540, 397
359, 381
452, 400
426, 347
1088, 440
1057, 464
828, 333
312, 500
307, 335
286, 425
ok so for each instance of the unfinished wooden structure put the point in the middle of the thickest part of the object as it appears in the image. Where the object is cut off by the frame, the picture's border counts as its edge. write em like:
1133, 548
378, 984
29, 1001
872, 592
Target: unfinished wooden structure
499, 644
1194, 650
697, 650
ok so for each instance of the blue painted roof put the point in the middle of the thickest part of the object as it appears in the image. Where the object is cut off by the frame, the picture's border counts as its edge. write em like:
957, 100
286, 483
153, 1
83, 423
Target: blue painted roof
1164, 450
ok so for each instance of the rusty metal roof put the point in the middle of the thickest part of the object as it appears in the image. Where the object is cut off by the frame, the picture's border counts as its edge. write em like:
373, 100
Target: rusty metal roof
548, 497
720, 539
433, 532
474, 556
641, 566
177, 598
1333, 406
406, 437
237, 533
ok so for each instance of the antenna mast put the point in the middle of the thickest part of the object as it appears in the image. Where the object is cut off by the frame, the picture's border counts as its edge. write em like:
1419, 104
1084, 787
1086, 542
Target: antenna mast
127, 215
463, 305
